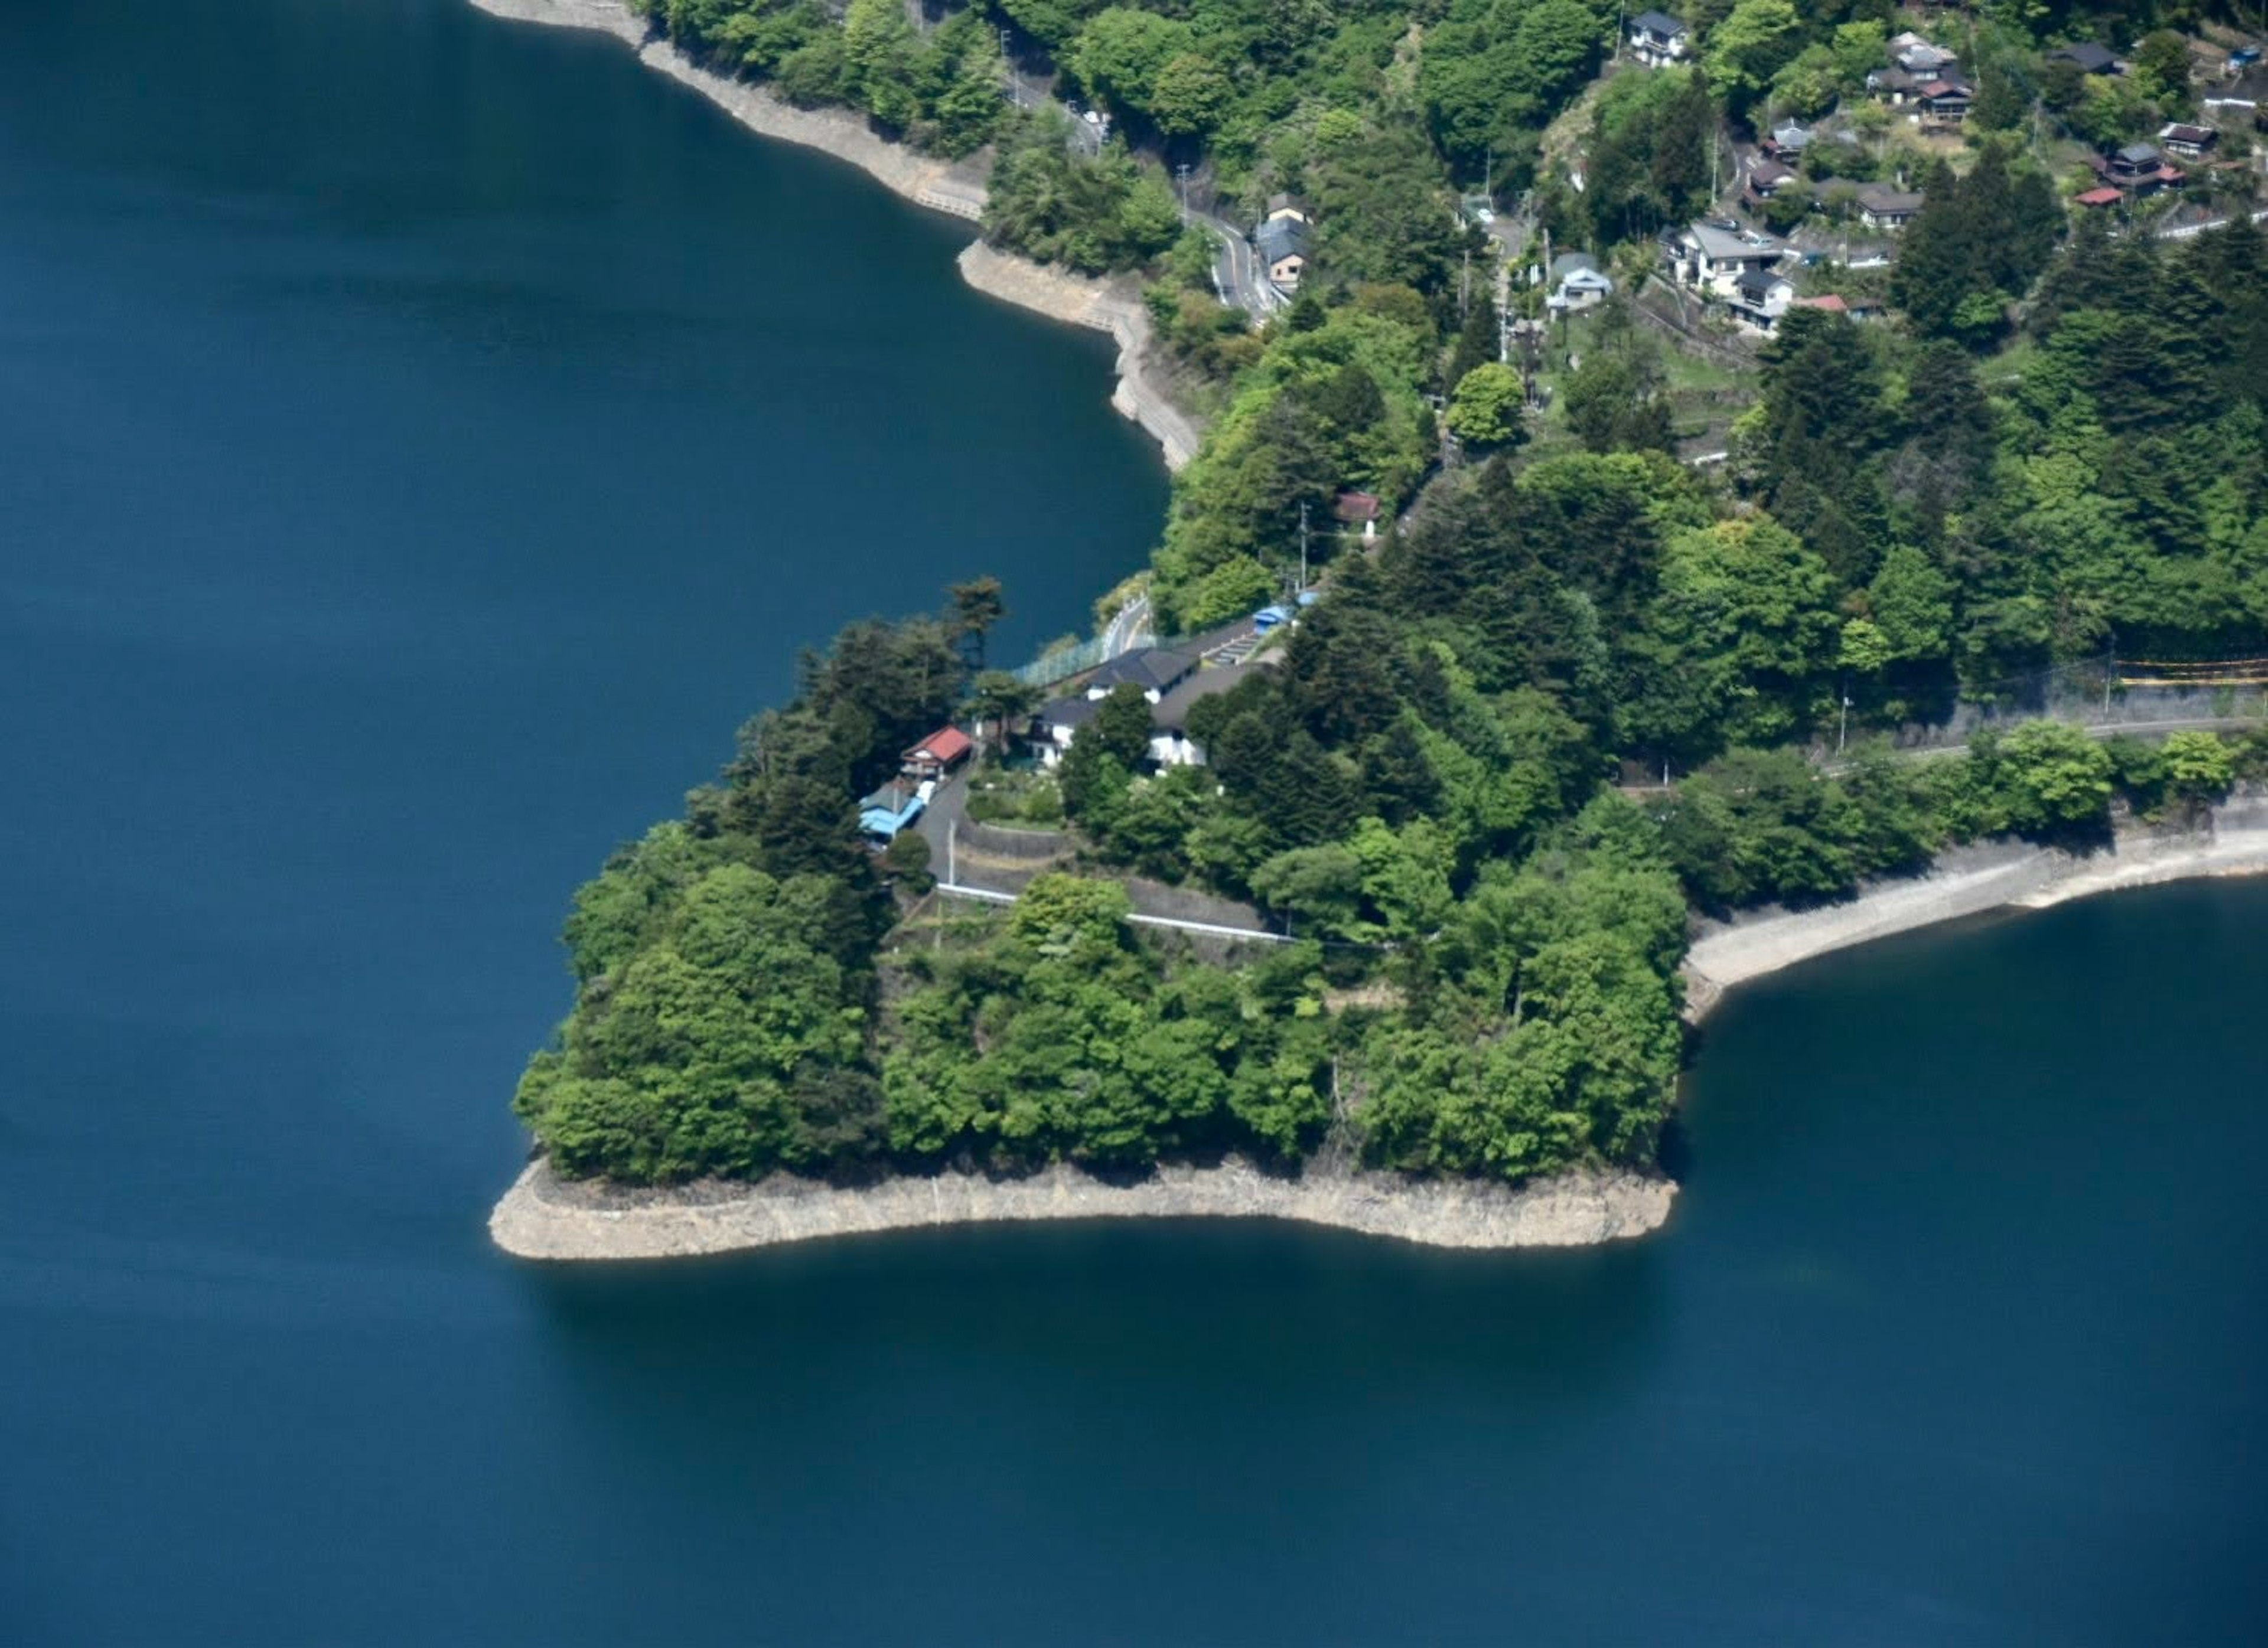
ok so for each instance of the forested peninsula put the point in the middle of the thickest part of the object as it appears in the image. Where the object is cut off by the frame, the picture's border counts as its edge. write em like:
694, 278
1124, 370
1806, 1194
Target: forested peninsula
1789, 550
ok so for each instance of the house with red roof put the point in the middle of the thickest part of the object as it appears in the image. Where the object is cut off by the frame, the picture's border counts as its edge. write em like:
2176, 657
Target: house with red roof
937, 754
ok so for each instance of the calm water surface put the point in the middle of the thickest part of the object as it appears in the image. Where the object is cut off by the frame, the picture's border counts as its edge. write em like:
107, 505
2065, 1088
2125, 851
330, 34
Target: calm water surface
423, 439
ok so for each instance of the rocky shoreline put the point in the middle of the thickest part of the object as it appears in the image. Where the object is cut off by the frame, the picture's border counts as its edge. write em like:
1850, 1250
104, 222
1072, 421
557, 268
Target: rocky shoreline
1972, 881
543, 1217
957, 189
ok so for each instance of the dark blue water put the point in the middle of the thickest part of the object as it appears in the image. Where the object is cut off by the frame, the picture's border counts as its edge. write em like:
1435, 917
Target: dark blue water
421, 440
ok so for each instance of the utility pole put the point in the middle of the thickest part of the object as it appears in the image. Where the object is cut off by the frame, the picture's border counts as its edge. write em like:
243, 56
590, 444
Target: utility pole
1843, 727
1303, 551
2109, 673
1015, 80
1181, 175
1465, 289
951, 854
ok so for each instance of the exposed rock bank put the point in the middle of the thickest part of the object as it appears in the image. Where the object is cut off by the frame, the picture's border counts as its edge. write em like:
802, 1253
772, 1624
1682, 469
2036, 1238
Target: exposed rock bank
957, 188
542, 1217
1969, 882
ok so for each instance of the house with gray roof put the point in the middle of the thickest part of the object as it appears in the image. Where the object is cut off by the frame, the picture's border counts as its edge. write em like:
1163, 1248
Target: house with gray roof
1658, 40
1709, 257
1282, 244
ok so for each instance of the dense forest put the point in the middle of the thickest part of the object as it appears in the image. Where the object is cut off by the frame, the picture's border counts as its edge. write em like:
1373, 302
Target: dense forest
2054, 451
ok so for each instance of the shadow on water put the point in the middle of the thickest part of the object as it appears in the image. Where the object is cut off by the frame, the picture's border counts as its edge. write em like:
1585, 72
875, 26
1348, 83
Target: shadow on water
1177, 1298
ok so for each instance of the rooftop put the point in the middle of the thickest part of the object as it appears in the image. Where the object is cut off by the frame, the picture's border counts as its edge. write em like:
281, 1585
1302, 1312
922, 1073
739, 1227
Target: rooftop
2091, 57
1280, 237
1153, 669
1881, 198
1170, 713
1733, 244
946, 744
1657, 23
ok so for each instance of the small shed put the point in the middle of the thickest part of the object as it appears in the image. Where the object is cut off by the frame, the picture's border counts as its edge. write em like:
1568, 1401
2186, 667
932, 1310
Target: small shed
889, 809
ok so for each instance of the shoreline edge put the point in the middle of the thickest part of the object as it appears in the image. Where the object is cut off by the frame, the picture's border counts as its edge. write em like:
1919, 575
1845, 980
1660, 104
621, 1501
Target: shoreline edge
1110, 305
544, 1216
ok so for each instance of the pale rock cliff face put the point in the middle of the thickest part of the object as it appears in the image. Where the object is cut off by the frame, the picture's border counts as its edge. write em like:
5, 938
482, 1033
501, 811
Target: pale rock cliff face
542, 1217
1971, 881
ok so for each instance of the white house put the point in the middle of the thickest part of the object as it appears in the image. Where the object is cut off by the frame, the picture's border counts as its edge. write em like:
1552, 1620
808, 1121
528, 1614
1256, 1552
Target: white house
1578, 282
1711, 257
1760, 298
1170, 743
1658, 40
1882, 207
1157, 671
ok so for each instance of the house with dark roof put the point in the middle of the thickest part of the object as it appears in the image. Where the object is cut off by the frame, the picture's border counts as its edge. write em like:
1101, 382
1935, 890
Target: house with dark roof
1358, 509
1054, 724
1658, 40
1155, 670
1882, 207
2191, 142
1170, 743
1760, 298
1282, 244
1578, 282
1287, 206
2137, 169
1919, 56
1786, 143
2088, 57
937, 754
1711, 256
1944, 101
1763, 180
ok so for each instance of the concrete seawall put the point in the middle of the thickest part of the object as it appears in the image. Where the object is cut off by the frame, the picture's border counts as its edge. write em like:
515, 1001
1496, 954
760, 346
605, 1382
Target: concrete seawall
1971, 881
542, 1217
957, 189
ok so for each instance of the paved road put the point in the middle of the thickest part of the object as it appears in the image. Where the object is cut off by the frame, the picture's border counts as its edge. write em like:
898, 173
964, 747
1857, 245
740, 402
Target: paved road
1236, 272
1130, 629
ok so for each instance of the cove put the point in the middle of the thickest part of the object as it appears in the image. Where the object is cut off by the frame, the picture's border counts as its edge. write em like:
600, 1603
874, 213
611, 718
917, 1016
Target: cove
425, 438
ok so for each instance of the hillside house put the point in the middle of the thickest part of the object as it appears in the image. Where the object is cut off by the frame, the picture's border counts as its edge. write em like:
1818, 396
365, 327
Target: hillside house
2097, 199
1921, 57
1358, 510
1281, 243
1711, 257
1053, 725
2088, 57
1658, 40
1944, 102
1760, 298
1578, 282
1883, 208
1170, 743
1764, 180
2191, 142
2137, 169
1287, 206
937, 754
1786, 143
1154, 670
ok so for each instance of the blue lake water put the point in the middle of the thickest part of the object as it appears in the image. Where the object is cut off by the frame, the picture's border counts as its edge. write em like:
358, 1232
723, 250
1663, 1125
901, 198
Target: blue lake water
424, 439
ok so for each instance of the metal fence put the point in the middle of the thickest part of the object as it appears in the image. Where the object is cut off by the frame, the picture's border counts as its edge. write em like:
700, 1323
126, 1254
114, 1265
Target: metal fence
1065, 662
